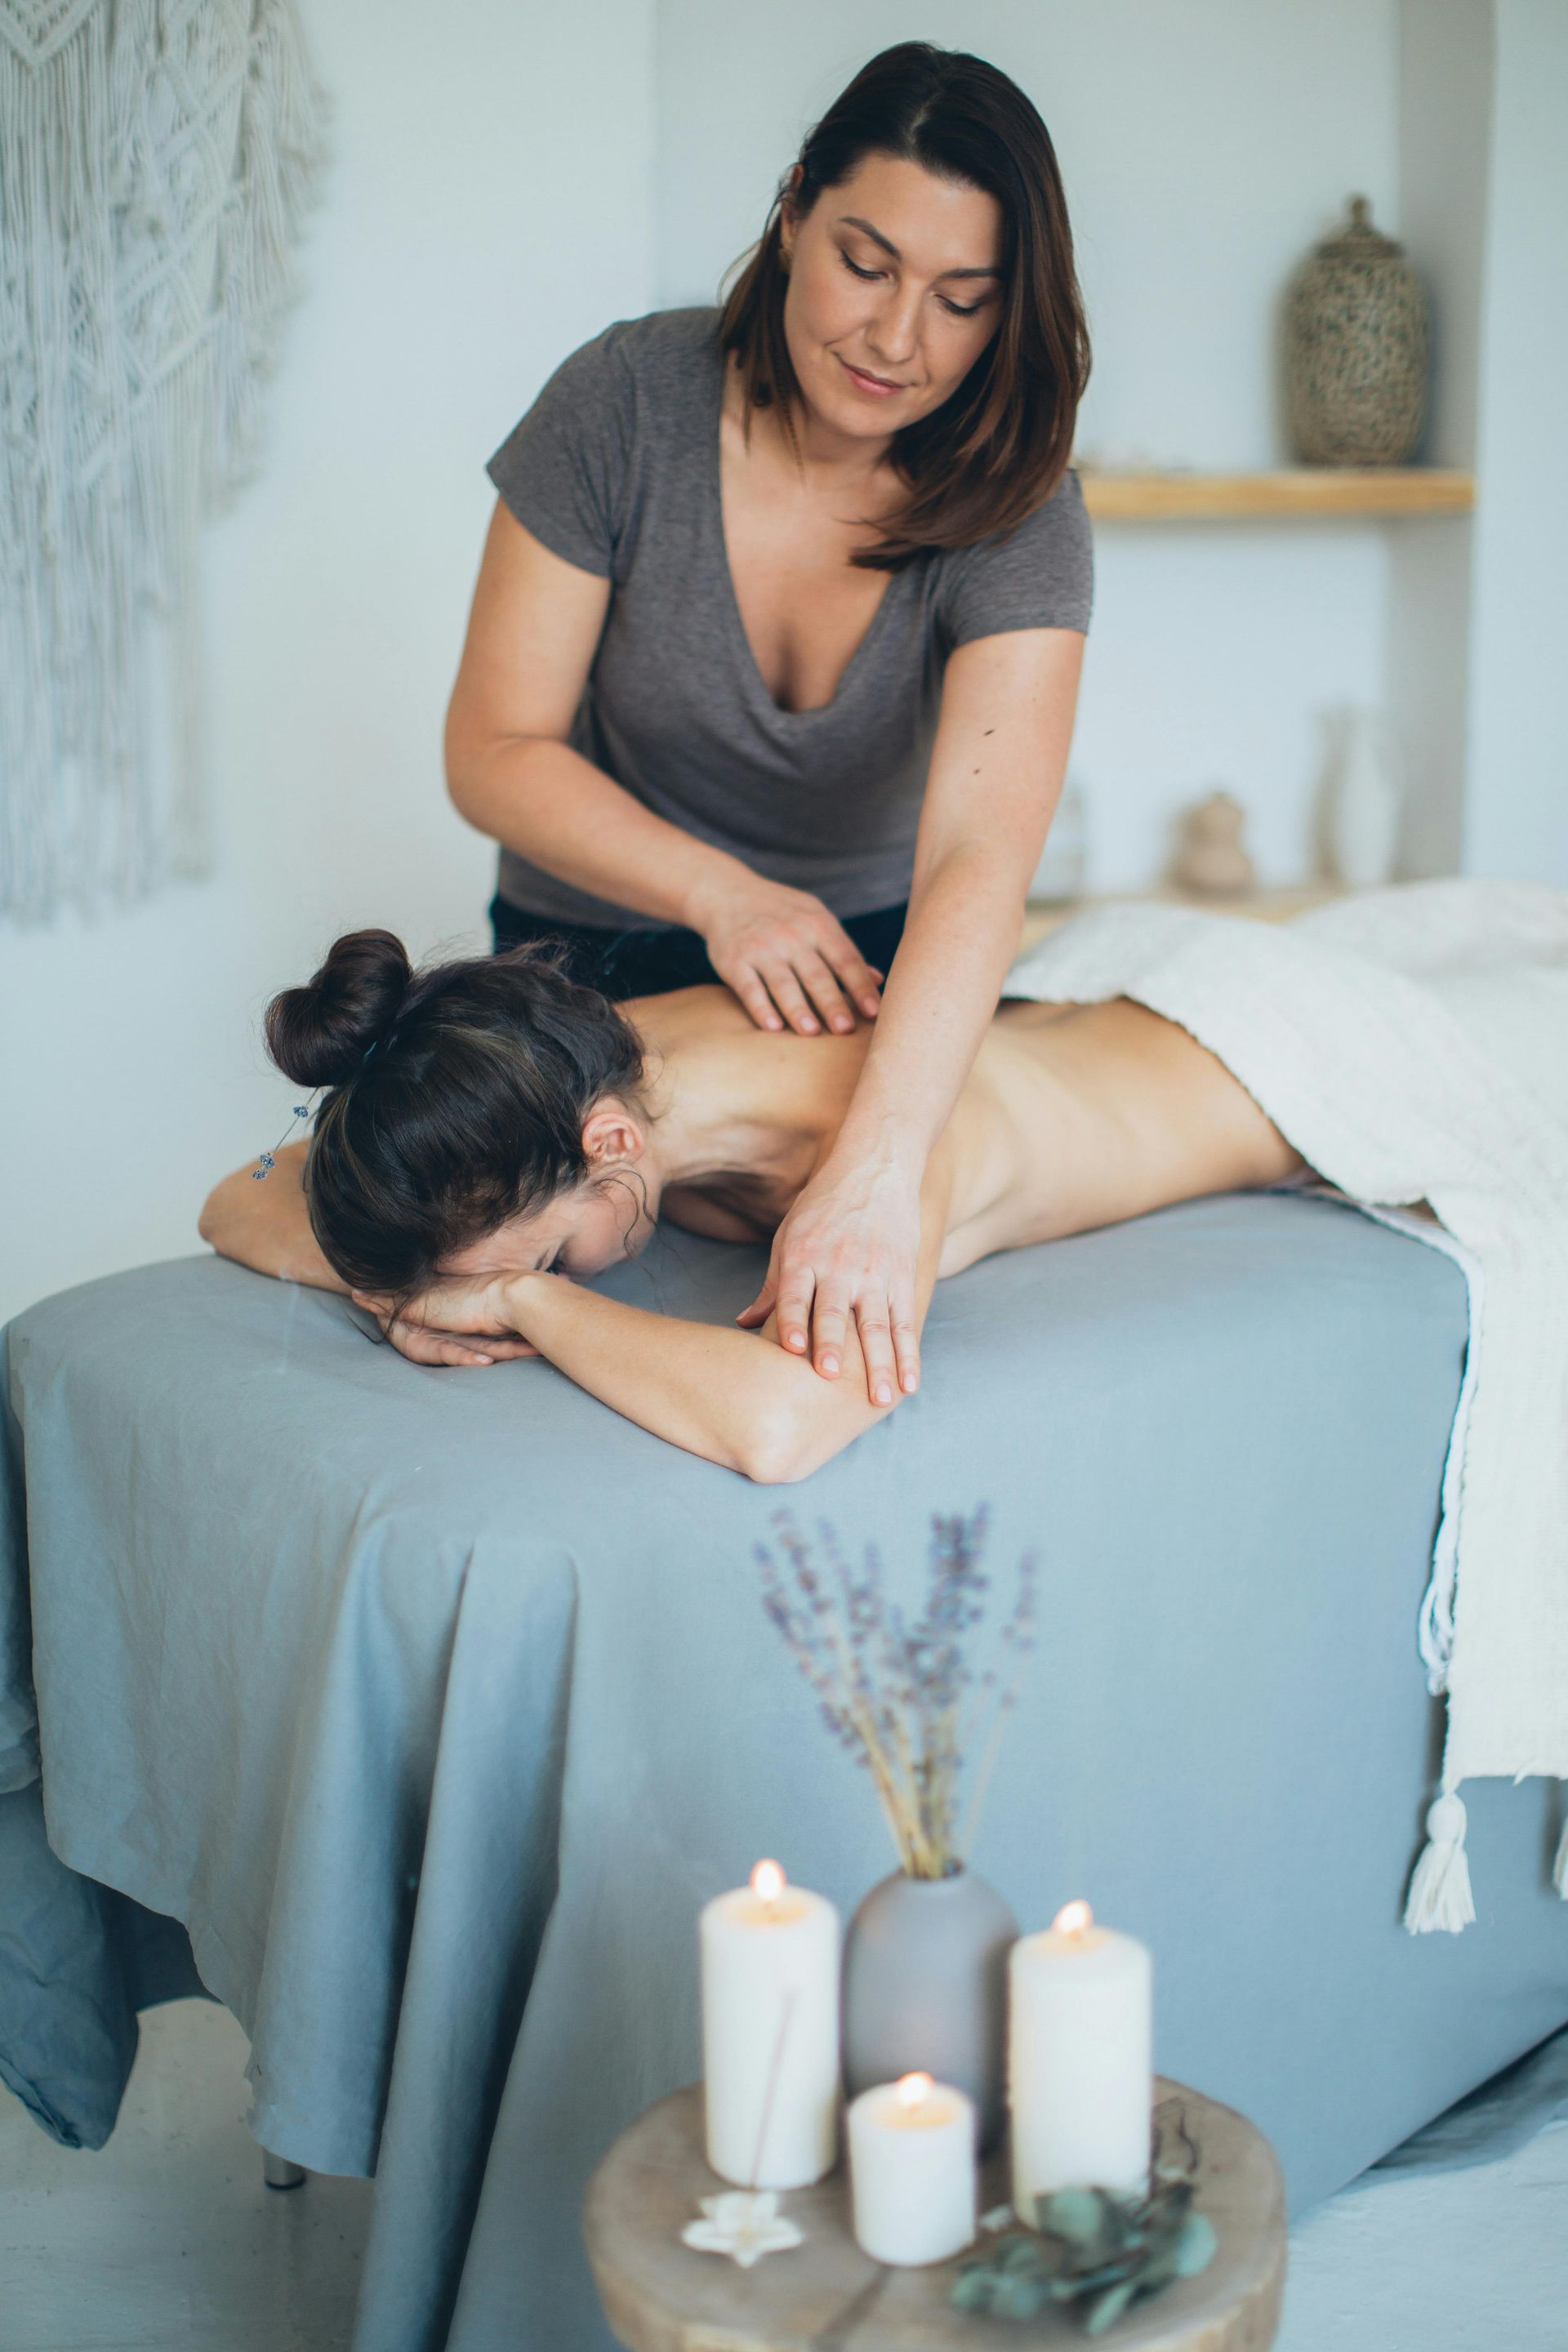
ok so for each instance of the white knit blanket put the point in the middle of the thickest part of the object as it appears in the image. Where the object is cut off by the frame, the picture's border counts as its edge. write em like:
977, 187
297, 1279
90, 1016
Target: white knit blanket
1413, 1044
157, 159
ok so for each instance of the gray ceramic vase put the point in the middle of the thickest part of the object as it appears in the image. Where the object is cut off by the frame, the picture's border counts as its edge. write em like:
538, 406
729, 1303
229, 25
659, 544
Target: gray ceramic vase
925, 1989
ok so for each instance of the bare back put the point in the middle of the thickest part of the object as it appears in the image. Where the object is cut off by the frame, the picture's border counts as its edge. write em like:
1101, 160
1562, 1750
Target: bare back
1073, 1117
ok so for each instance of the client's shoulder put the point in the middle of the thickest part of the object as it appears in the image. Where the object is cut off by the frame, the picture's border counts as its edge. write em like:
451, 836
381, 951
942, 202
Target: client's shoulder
705, 1011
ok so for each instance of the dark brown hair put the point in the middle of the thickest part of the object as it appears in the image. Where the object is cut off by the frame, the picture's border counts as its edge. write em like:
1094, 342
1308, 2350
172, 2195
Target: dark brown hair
458, 1097
996, 449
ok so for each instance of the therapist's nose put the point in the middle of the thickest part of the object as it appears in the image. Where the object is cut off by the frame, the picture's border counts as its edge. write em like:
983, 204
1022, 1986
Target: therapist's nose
895, 330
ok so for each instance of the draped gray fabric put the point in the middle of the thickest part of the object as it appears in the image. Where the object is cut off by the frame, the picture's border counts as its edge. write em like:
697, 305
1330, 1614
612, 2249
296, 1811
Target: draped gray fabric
434, 1703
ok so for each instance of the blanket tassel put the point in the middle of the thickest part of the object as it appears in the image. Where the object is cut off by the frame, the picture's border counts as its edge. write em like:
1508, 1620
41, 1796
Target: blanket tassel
1440, 1884
1559, 1867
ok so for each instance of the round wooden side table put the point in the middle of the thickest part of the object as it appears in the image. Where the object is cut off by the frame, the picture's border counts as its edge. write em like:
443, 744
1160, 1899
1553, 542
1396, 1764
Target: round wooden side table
827, 2297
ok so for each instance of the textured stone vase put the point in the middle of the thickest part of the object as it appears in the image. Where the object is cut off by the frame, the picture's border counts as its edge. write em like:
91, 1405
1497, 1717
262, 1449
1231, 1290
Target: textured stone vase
1356, 346
925, 1989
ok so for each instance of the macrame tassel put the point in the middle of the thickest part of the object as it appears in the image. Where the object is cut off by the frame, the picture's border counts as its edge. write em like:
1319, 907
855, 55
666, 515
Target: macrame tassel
1440, 1884
1559, 1867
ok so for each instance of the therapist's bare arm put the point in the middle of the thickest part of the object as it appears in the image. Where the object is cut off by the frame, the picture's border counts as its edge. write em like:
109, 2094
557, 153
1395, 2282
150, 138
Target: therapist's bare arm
533, 630
847, 1248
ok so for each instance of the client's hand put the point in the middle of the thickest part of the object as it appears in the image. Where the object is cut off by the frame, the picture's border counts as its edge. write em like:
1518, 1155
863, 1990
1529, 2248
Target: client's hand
454, 1323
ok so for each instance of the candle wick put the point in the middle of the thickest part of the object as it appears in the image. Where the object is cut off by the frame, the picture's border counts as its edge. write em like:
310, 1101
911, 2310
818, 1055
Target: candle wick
773, 2086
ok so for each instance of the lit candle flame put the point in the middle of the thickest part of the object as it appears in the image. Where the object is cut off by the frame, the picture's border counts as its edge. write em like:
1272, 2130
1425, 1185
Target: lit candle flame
767, 1881
915, 2090
1073, 1919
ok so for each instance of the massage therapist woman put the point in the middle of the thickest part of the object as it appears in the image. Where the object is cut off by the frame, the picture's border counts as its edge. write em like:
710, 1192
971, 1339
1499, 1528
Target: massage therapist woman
774, 648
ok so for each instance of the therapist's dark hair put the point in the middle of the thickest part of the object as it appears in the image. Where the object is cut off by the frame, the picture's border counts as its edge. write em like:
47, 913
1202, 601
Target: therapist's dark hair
457, 1097
996, 449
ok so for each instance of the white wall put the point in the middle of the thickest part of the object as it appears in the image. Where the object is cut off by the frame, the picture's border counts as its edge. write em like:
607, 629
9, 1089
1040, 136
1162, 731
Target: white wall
1516, 810
489, 207
1203, 148
502, 191
1445, 61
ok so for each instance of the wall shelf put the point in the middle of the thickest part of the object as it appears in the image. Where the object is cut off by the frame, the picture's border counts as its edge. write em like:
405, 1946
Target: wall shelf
1299, 492
1266, 904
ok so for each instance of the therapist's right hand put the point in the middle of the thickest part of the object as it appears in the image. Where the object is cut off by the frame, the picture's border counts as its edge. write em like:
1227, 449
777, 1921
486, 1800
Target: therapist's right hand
787, 958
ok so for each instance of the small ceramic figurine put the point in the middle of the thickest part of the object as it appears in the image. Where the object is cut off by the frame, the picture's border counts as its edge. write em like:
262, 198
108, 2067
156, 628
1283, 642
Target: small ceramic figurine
1211, 856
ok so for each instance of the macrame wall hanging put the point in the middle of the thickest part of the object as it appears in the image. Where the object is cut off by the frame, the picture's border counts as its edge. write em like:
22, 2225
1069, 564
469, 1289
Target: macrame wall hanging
157, 158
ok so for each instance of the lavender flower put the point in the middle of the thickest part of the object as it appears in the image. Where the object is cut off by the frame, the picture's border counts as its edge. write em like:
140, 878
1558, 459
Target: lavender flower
902, 1699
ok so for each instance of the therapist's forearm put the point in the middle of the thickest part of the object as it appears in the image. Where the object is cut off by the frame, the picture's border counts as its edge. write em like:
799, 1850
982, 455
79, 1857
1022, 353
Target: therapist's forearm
961, 935
543, 799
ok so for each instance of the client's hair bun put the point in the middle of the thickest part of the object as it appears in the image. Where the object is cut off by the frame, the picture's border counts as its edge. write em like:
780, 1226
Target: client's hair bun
318, 1035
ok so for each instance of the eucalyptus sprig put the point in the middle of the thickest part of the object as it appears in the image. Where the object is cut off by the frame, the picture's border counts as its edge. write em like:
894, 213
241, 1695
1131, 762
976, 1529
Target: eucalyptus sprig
903, 1697
1096, 2250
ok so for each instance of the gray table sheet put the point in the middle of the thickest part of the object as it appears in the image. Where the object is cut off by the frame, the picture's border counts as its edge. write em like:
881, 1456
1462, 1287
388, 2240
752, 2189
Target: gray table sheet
436, 1703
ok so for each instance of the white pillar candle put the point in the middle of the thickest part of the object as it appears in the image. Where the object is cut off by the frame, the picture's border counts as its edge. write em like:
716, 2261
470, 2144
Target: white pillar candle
911, 2171
770, 2032
1079, 2059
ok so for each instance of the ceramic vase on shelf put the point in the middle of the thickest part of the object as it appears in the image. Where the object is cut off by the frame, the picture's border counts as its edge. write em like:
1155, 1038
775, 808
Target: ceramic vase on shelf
1361, 803
925, 1989
1356, 347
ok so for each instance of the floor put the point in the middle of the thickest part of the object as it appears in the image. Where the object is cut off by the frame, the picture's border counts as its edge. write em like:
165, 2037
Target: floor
167, 2241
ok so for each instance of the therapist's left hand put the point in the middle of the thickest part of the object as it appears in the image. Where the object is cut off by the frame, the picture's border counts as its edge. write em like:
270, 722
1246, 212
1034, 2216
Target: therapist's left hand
849, 1248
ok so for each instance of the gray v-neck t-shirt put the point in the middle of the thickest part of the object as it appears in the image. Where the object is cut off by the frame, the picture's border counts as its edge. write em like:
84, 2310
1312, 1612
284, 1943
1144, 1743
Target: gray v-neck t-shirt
615, 468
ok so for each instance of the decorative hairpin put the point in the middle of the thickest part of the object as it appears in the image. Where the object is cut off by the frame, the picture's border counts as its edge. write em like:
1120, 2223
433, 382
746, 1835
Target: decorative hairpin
268, 1160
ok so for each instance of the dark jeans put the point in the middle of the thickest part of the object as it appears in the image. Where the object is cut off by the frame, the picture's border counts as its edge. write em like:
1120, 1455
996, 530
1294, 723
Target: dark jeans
647, 963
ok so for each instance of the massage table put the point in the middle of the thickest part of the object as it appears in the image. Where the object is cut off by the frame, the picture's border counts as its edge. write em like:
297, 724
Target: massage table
415, 1714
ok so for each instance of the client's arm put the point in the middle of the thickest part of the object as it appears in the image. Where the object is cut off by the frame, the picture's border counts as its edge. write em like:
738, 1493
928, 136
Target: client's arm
267, 1226
705, 1387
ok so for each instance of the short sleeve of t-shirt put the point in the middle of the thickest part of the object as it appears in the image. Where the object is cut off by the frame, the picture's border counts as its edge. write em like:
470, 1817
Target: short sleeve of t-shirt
1041, 577
562, 470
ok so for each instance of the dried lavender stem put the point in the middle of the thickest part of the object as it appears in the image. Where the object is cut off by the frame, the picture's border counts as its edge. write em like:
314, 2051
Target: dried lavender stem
982, 1782
901, 1692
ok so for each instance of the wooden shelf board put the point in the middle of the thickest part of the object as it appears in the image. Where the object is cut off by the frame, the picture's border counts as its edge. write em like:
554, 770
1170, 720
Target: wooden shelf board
1303, 491
1270, 903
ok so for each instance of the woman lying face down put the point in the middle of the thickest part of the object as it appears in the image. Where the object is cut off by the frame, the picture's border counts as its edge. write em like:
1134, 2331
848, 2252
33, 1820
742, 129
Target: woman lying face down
491, 1126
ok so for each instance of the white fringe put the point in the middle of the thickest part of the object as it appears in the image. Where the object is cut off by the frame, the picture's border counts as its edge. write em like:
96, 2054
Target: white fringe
1440, 1883
1559, 1867
157, 158
1434, 1626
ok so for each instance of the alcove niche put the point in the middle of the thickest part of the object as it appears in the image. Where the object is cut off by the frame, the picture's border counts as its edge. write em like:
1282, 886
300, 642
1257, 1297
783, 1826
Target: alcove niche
1405, 580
